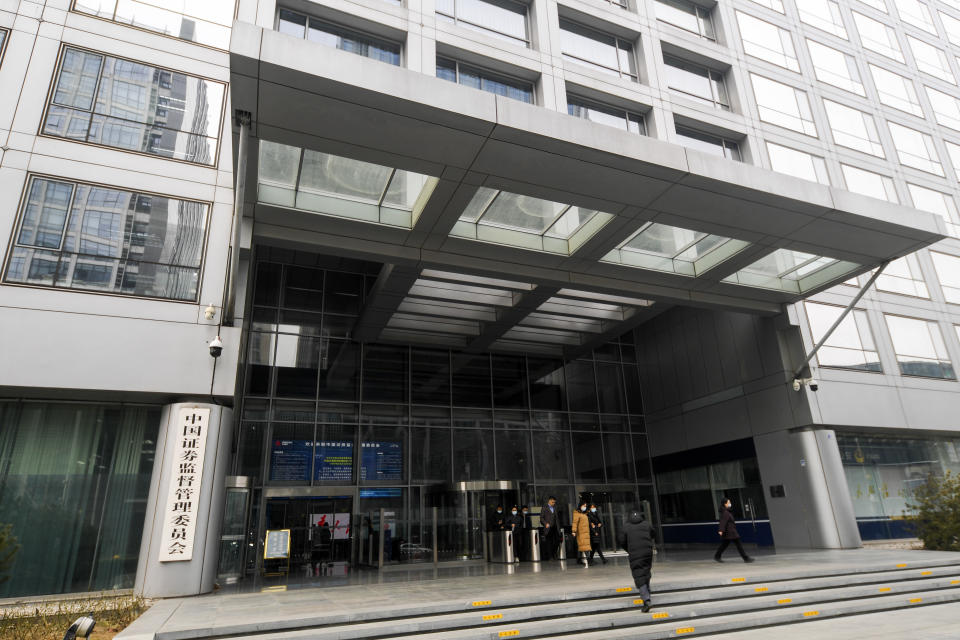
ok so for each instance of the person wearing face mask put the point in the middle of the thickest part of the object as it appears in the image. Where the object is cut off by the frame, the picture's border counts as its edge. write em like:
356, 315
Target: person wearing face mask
514, 523
727, 529
495, 522
550, 522
581, 532
596, 526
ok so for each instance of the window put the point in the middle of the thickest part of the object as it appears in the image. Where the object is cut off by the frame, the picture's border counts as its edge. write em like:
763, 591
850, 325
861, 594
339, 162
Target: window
853, 128
767, 41
868, 183
303, 26
835, 67
696, 81
850, 346
878, 37
936, 202
823, 14
599, 50
915, 149
206, 22
708, 143
783, 105
484, 80
686, 15
919, 347
133, 106
776, 5
3, 42
953, 150
896, 91
604, 114
797, 163
88, 237
952, 26
931, 60
948, 272
916, 13
903, 276
946, 108
502, 19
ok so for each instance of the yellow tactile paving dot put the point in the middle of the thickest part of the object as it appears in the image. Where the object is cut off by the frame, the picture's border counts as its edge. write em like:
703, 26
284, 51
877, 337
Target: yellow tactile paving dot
512, 633
480, 603
624, 589
901, 565
738, 579
761, 589
784, 600
659, 615
916, 600
926, 573
493, 616
810, 614
883, 589
681, 630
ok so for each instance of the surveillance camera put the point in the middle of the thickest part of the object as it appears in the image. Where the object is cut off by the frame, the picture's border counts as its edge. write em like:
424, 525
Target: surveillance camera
796, 385
813, 384
209, 312
216, 347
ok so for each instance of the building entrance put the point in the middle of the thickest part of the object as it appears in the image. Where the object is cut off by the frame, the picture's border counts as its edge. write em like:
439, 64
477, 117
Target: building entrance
464, 510
320, 527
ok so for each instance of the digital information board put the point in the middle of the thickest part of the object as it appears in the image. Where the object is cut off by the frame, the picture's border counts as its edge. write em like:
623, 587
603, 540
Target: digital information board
333, 460
381, 461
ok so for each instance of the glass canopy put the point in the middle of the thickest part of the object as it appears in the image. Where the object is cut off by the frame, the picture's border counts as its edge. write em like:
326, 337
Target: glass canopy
337, 186
507, 218
673, 249
793, 271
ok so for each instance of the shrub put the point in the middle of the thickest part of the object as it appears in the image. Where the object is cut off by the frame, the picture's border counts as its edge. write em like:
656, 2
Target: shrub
937, 506
48, 621
8, 549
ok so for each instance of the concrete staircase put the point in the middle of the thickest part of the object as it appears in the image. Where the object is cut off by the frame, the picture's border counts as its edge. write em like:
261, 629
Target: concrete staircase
682, 610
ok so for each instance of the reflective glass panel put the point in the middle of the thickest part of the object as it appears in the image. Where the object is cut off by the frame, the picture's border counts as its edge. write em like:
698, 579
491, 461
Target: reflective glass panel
503, 19
823, 14
853, 128
767, 41
948, 273
604, 52
869, 183
919, 347
878, 37
206, 22
797, 163
915, 149
851, 344
835, 68
783, 105
686, 15
896, 91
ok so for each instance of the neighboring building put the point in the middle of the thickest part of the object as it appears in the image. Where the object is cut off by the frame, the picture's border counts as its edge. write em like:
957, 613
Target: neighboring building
593, 269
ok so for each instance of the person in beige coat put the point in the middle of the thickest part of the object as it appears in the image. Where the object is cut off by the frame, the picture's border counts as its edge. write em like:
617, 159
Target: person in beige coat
581, 532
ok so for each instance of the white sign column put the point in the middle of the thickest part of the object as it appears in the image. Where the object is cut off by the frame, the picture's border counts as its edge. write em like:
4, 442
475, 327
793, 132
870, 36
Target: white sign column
181, 532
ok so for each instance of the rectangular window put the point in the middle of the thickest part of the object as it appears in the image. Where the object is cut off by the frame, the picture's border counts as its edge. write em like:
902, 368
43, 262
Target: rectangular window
3, 42
919, 347
823, 14
868, 183
88, 237
903, 276
602, 51
931, 60
896, 91
797, 163
696, 81
952, 26
303, 26
783, 105
605, 114
708, 143
206, 22
136, 107
776, 5
948, 273
767, 41
916, 13
953, 150
502, 19
915, 149
877, 36
936, 202
484, 80
946, 108
850, 346
835, 68
686, 15
853, 128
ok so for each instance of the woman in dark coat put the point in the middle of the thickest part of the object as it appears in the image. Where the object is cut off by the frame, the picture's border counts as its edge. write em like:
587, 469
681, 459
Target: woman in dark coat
596, 524
728, 531
637, 538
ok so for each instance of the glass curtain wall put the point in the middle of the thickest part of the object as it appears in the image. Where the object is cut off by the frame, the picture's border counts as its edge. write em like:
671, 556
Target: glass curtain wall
398, 423
74, 480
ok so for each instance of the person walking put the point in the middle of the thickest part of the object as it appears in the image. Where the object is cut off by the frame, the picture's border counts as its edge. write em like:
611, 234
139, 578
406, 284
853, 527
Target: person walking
596, 528
495, 521
514, 523
636, 537
728, 531
581, 532
550, 523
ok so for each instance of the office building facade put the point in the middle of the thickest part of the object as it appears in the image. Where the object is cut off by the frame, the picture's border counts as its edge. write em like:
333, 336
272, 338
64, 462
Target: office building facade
461, 253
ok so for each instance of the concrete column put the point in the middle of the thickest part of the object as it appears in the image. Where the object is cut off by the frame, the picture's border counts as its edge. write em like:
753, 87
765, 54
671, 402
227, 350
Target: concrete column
164, 570
815, 511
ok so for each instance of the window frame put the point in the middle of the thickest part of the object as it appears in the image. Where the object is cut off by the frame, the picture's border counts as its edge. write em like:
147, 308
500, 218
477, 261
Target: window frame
945, 287
927, 322
492, 75
713, 77
631, 49
604, 107
726, 144
705, 18
821, 74
359, 35
74, 183
3, 45
857, 325
864, 118
932, 158
762, 106
460, 22
55, 80
790, 60
74, 8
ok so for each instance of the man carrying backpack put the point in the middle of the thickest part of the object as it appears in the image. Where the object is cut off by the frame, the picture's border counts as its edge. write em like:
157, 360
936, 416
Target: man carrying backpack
636, 538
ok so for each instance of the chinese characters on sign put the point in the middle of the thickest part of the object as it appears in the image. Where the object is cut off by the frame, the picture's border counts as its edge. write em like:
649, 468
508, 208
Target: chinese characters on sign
189, 432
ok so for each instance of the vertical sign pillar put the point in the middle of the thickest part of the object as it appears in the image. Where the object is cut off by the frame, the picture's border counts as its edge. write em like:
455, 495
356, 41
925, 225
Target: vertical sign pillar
180, 546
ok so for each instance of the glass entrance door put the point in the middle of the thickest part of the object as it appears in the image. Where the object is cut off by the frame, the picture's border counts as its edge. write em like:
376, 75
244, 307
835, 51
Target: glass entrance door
464, 510
320, 532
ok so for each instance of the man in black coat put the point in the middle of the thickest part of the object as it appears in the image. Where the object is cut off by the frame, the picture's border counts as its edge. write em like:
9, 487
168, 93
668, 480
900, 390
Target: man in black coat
515, 523
636, 537
550, 521
728, 531
495, 519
